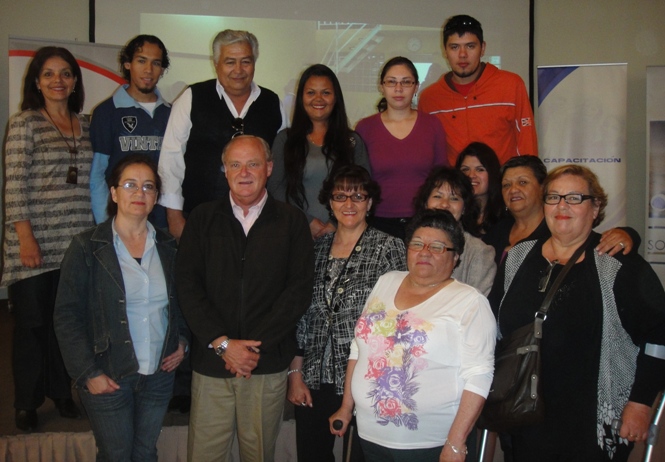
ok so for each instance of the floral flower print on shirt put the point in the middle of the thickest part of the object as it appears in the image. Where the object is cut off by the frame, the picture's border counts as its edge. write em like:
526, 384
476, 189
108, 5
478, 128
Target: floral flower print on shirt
396, 342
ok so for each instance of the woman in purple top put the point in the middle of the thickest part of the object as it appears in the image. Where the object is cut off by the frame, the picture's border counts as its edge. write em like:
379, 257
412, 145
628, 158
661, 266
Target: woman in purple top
403, 145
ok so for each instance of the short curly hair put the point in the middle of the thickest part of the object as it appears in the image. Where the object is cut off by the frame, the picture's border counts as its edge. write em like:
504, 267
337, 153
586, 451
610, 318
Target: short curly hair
352, 178
442, 220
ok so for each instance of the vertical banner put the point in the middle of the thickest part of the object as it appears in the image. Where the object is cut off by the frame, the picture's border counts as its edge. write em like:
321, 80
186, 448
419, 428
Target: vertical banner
99, 66
655, 184
582, 120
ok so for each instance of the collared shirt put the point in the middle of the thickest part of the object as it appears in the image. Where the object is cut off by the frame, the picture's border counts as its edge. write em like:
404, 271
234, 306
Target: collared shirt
146, 299
172, 157
254, 211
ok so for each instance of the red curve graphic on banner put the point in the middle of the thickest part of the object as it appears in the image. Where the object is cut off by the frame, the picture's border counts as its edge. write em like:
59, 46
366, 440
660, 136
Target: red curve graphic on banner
84, 64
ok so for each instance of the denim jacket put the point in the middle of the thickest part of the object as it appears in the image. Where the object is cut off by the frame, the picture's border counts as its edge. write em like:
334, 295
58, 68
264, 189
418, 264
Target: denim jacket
91, 315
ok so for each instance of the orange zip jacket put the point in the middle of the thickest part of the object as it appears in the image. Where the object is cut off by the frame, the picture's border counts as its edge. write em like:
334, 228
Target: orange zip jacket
496, 112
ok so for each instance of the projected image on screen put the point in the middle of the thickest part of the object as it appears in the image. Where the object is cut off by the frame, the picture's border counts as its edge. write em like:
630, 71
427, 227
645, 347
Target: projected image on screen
354, 51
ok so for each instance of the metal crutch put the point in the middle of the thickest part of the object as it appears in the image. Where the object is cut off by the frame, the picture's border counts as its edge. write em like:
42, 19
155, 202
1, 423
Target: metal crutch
652, 439
483, 445
337, 425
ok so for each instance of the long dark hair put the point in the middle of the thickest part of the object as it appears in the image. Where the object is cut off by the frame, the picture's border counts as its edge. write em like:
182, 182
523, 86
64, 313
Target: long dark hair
461, 185
33, 98
338, 144
494, 209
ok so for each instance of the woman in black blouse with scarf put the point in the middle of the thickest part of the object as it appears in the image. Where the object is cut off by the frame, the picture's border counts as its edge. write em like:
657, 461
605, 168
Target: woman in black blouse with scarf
347, 264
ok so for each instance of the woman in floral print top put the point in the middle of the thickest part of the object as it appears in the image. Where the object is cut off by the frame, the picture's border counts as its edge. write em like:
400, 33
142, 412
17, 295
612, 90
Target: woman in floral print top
422, 360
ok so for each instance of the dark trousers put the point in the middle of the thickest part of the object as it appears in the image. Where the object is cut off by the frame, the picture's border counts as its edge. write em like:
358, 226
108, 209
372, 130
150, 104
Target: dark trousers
378, 453
314, 441
37, 364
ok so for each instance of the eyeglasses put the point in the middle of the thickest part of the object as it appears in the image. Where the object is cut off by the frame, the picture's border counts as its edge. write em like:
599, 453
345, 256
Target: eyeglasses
461, 22
545, 280
570, 199
404, 83
434, 247
132, 187
238, 126
355, 197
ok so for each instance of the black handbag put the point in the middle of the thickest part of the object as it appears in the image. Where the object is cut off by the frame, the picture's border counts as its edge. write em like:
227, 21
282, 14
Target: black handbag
515, 397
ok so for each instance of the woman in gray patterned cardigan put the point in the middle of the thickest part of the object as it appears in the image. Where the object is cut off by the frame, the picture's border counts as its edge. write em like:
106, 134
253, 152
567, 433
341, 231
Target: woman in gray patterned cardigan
347, 264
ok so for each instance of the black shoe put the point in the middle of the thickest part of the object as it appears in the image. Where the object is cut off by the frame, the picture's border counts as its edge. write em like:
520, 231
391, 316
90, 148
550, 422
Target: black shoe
26, 420
67, 408
180, 404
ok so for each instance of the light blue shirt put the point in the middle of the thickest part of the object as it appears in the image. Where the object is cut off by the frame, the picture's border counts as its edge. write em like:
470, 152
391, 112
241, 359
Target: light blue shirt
146, 299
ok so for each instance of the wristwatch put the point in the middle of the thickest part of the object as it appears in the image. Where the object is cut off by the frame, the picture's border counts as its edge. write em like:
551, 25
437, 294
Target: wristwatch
221, 348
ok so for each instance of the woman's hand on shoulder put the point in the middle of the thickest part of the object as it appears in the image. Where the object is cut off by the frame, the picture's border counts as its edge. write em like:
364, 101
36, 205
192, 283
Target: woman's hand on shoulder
613, 241
101, 384
327, 229
319, 228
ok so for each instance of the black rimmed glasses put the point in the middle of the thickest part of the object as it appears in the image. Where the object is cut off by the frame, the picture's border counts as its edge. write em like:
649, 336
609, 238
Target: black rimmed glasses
434, 247
132, 187
390, 83
355, 197
238, 127
570, 199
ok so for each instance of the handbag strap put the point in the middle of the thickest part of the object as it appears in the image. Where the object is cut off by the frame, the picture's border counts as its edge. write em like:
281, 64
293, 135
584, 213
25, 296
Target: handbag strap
541, 314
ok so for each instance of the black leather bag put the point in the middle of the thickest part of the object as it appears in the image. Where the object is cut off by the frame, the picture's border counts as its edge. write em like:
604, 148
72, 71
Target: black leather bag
515, 398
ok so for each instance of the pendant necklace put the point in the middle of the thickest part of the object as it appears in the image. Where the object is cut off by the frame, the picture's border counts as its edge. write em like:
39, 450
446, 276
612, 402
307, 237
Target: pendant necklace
72, 172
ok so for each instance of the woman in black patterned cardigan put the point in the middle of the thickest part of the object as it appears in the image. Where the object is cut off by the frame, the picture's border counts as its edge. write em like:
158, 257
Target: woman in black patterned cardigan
347, 264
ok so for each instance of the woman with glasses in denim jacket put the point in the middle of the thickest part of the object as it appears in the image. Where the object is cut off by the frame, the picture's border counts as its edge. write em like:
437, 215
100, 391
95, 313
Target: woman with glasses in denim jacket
348, 263
117, 318
403, 145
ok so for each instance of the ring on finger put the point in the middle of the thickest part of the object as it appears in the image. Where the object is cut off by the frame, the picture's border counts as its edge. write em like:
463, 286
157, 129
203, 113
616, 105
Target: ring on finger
622, 245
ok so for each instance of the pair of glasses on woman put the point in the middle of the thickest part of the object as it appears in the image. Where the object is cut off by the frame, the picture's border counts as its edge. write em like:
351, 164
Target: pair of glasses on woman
355, 197
434, 247
404, 83
132, 187
570, 199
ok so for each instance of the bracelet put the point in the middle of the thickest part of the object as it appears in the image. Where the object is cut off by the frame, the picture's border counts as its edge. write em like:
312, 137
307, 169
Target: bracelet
457, 450
292, 371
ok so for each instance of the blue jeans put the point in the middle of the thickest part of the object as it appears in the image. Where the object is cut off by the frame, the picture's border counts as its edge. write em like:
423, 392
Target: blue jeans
127, 422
